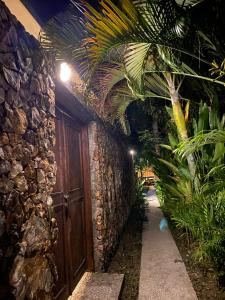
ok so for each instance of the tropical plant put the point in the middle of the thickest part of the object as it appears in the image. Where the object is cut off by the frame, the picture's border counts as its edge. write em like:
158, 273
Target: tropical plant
174, 173
203, 219
140, 191
174, 178
207, 146
128, 41
140, 164
160, 192
201, 216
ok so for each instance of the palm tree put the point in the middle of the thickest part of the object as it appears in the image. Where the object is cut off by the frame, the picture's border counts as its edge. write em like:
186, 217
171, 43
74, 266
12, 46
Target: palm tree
157, 87
142, 37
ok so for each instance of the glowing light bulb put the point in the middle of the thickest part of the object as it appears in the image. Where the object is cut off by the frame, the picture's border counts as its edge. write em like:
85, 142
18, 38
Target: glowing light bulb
65, 72
132, 152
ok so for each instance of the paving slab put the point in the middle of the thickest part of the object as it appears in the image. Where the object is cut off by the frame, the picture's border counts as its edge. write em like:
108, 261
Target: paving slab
98, 286
163, 274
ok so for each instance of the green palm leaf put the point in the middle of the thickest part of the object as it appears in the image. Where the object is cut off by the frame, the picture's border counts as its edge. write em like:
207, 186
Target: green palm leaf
120, 100
135, 58
171, 166
207, 138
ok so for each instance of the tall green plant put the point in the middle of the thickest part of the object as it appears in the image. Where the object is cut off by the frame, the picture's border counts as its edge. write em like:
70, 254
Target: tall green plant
203, 217
173, 172
207, 145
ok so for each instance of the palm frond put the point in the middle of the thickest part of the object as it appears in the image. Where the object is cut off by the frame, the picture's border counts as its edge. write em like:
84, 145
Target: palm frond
156, 86
203, 138
171, 166
216, 171
120, 100
140, 21
64, 34
110, 27
135, 58
106, 76
189, 3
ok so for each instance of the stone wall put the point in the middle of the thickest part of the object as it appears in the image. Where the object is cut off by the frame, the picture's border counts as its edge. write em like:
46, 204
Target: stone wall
112, 188
27, 164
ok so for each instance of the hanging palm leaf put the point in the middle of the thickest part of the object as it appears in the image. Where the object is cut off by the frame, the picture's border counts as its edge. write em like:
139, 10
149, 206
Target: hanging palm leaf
203, 138
135, 59
184, 3
118, 100
139, 25
101, 37
64, 34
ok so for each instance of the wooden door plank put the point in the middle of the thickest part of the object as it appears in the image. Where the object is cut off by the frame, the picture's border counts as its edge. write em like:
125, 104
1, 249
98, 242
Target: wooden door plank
75, 191
61, 290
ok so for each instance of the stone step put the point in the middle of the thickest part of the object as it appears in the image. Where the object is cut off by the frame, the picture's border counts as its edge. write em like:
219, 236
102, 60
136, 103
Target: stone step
98, 286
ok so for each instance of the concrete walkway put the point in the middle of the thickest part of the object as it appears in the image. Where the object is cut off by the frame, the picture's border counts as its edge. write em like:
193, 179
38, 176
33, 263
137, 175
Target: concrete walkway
163, 273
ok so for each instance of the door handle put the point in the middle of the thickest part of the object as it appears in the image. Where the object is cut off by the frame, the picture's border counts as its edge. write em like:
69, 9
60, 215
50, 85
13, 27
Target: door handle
66, 197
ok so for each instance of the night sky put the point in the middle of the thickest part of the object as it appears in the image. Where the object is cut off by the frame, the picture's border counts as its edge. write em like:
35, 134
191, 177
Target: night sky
43, 10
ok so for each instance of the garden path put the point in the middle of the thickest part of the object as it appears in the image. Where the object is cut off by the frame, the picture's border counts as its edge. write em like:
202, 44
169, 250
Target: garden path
163, 274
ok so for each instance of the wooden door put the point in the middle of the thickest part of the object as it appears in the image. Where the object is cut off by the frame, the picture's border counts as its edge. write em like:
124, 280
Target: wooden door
70, 203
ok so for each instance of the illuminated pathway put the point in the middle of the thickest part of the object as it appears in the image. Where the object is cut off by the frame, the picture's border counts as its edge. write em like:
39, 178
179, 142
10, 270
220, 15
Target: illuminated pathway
163, 273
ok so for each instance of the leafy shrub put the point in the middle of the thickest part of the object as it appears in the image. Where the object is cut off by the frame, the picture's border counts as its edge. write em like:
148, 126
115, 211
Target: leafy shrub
199, 210
160, 192
204, 220
140, 190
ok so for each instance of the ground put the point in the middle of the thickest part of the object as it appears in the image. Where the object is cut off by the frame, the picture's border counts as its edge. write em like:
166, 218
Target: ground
203, 279
128, 256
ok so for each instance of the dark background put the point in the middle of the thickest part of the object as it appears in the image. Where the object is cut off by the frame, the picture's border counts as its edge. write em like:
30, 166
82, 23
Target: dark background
43, 10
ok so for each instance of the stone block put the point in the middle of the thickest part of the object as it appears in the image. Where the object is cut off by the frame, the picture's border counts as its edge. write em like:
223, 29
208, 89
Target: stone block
2, 95
5, 167
16, 169
12, 78
19, 121
98, 286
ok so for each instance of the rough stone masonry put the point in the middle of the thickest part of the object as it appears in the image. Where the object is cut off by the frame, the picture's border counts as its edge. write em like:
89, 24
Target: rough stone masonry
27, 164
112, 189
